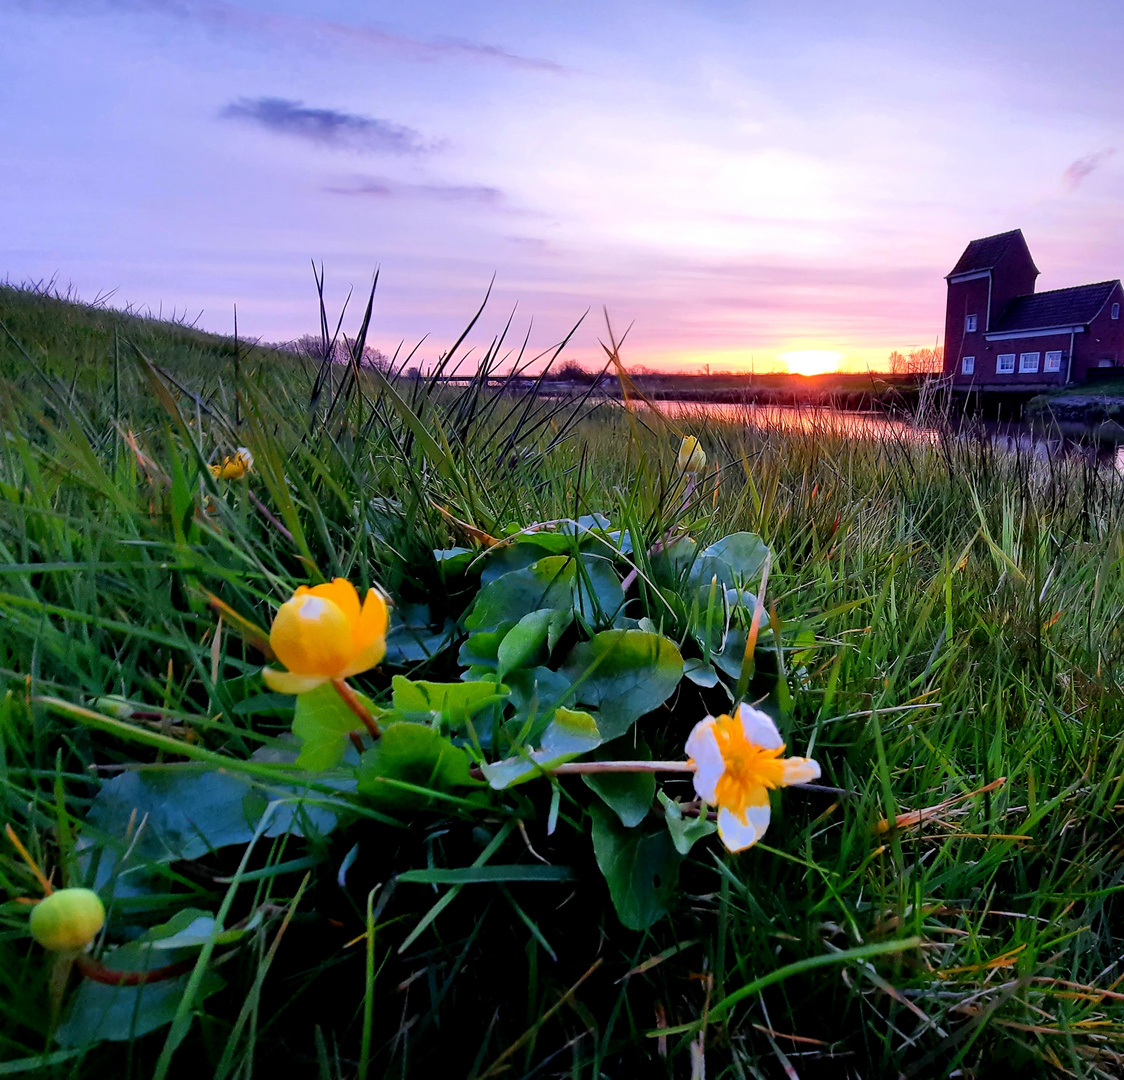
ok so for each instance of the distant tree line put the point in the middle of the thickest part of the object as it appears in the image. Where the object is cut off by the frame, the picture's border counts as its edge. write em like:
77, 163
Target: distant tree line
312, 347
917, 361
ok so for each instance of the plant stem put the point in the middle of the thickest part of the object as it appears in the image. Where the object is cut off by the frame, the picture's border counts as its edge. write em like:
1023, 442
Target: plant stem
622, 767
351, 700
98, 972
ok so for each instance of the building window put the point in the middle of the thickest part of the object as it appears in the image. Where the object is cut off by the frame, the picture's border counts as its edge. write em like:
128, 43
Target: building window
1005, 363
1116, 311
1028, 363
970, 324
1053, 361
968, 365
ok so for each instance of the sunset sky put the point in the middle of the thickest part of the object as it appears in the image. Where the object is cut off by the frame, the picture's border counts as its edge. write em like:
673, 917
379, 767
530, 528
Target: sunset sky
737, 181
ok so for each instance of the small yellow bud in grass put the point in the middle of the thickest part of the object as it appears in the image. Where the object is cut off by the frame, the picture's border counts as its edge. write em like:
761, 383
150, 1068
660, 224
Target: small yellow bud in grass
234, 468
67, 920
324, 633
692, 457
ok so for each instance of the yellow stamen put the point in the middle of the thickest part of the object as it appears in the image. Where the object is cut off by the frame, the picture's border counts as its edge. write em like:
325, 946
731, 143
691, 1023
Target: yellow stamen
751, 770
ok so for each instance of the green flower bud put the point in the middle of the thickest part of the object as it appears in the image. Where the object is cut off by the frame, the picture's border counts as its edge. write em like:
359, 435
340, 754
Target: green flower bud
114, 706
67, 920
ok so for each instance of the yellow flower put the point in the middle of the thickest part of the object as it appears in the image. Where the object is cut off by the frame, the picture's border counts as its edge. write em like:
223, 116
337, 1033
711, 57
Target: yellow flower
322, 633
692, 457
67, 920
738, 760
234, 468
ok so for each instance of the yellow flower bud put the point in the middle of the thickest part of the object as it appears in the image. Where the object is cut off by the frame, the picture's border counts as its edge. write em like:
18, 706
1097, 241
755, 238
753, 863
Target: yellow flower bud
234, 468
323, 633
67, 920
692, 457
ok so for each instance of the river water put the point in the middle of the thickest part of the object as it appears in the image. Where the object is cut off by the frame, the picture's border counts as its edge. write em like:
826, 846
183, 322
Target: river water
1103, 443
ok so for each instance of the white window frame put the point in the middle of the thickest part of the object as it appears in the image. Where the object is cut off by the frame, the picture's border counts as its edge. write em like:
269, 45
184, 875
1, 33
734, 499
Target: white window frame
1028, 363
1116, 311
1005, 363
967, 365
970, 324
1053, 361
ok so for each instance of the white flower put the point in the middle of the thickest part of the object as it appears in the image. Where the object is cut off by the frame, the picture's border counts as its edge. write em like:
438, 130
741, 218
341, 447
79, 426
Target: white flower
738, 760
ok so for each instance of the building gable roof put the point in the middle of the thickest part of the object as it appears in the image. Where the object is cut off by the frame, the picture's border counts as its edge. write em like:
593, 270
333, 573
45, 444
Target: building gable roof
1075, 306
985, 253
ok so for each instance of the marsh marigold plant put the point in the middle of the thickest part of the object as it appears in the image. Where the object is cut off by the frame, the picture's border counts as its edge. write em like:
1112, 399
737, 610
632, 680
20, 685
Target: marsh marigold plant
324, 633
738, 762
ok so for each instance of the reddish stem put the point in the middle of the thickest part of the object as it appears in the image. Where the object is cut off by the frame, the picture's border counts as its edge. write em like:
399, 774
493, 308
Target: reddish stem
351, 700
98, 972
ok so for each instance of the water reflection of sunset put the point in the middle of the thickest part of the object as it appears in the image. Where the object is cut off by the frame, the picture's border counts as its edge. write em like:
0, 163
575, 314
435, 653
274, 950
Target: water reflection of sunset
808, 419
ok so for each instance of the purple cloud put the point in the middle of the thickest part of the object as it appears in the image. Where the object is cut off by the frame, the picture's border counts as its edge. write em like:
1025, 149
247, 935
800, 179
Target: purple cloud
1082, 167
381, 187
332, 127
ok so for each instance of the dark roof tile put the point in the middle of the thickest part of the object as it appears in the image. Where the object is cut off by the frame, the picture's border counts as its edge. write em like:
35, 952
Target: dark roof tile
983, 254
1059, 307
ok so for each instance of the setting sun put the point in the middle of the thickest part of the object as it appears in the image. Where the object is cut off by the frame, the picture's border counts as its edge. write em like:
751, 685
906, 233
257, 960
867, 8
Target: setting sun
812, 361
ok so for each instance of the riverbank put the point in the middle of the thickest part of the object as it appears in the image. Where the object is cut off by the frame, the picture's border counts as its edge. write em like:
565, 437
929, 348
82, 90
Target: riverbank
1088, 404
840, 390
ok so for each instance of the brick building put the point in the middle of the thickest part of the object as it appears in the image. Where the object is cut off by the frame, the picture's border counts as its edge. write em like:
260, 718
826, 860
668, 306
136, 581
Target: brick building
1002, 335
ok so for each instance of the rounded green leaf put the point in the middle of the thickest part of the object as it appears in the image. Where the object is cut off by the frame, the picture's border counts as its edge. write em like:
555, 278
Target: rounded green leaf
624, 674
641, 868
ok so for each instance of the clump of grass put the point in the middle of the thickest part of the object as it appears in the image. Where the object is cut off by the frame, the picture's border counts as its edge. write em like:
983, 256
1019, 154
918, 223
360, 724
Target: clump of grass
961, 685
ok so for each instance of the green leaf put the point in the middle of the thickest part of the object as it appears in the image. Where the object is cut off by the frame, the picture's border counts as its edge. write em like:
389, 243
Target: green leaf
598, 589
417, 755
641, 868
670, 563
569, 735
522, 645
505, 558
412, 638
453, 559
684, 831
730, 658
547, 583
190, 928
533, 693
323, 722
482, 649
736, 560
186, 814
450, 704
480, 875
629, 795
627, 673
97, 1012
701, 674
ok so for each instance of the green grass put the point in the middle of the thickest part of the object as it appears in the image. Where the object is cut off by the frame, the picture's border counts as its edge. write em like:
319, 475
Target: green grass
967, 610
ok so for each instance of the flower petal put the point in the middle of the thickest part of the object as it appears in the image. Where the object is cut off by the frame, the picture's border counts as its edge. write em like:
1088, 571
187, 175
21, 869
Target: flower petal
799, 770
342, 593
366, 659
738, 835
759, 727
702, 748
372, 622
288, 682
312, 636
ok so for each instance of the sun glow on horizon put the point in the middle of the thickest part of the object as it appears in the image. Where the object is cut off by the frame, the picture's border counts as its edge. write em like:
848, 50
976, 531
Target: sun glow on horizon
812, 361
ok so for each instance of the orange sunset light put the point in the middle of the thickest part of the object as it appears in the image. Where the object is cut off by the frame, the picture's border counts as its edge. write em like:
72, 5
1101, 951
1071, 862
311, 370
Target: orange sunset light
812, 361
